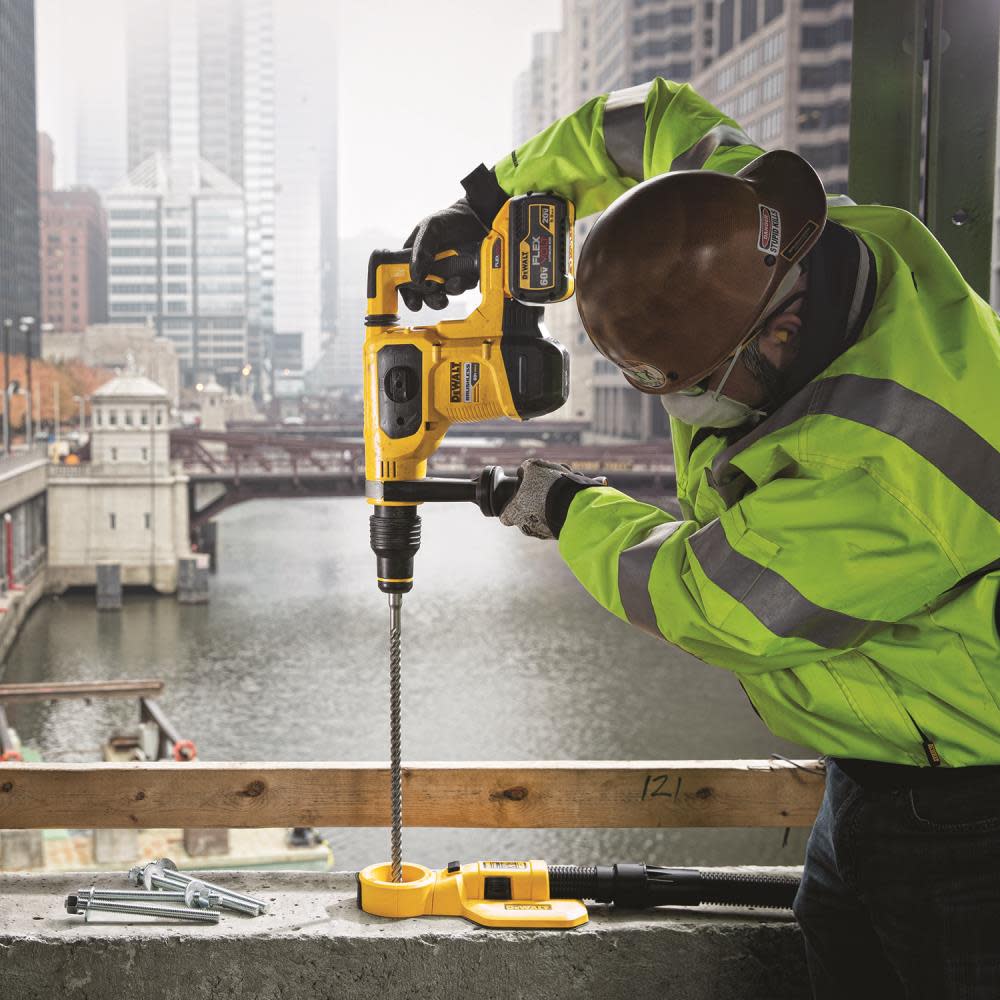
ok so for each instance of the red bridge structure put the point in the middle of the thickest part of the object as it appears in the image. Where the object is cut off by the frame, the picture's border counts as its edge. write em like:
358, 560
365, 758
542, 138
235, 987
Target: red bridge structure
230, 467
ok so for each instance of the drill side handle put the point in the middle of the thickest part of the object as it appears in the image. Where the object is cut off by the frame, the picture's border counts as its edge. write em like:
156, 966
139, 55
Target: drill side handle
490, 490
462, 262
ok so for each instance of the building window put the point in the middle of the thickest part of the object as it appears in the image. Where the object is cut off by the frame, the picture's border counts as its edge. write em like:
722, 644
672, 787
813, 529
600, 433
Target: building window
145, 454
148, 519
773, 9
824, 116
112, 418
748, 19
114, 454
826, 155
822, 36
772, 87
828, 75
97, 417
727, 17
112, 521
159, 416
128, 418
144, 417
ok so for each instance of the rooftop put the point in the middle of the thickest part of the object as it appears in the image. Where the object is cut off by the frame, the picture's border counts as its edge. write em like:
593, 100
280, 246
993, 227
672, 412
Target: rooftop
130, 386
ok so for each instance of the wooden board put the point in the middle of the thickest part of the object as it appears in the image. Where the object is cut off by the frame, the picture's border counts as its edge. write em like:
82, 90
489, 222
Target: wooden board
559, 794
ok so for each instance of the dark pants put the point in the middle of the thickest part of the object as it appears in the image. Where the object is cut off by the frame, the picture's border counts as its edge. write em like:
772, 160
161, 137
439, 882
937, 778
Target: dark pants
900, 895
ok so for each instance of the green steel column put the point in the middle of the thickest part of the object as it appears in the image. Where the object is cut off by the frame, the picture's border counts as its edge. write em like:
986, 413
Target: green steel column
887, 79
961, 132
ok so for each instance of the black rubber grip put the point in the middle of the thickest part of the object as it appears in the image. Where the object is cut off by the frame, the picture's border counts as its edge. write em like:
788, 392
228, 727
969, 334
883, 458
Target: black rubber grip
395, 539
491, 490
749, 889
463, 265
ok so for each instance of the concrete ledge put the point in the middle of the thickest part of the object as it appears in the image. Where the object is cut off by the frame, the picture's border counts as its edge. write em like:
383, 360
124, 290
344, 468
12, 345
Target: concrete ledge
17, 606
316, 943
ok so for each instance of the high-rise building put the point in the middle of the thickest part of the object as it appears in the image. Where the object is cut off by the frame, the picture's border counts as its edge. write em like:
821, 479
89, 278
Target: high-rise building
306, 148
257, 154
536, 90
640, 39
201, 96
781, 68
74, 250
19, 278
74, 259
177, 262
101, 159
46, 163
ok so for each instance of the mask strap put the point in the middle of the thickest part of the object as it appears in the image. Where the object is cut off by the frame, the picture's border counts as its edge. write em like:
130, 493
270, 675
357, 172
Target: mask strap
732, 364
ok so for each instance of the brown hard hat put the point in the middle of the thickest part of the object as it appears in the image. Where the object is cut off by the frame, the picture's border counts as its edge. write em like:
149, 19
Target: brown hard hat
680, 269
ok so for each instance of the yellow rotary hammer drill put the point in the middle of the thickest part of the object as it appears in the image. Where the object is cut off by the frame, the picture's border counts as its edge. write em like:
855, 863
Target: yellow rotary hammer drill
498, 361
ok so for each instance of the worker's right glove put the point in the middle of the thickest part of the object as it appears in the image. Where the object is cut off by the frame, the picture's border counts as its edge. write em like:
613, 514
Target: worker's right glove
541, 502
461, 224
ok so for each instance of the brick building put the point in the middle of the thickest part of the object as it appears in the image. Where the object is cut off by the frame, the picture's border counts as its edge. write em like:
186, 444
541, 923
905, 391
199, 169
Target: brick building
73, 251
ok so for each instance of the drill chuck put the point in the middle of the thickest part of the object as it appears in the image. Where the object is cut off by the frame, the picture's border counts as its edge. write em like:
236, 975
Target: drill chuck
395, 539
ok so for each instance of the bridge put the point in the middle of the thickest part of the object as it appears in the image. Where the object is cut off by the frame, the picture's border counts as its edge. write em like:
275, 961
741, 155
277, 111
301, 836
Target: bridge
546, 431
230, 467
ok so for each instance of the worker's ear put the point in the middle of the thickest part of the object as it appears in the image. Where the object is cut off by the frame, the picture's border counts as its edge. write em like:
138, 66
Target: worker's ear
779, 342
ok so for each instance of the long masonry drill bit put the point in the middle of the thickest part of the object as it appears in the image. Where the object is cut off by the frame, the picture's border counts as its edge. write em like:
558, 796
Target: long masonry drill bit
395, 736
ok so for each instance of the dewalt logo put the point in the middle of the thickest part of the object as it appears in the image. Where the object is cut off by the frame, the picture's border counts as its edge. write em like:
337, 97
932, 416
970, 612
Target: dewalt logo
528, 906
455, 381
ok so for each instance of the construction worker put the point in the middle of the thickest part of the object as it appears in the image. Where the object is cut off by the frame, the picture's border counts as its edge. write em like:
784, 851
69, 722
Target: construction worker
831, 382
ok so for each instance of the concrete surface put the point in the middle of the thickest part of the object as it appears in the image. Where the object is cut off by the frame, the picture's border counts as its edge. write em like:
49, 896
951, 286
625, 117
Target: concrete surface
17, 605
316, 944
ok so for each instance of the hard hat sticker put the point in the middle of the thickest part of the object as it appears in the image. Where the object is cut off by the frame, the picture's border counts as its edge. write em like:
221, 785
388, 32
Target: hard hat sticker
799, 240
648, 376
769, 236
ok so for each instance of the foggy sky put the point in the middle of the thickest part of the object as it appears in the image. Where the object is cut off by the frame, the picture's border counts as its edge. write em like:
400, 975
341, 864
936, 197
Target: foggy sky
425, 92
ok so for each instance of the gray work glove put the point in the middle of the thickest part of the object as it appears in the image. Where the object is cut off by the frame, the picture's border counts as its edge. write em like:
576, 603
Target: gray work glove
543, 497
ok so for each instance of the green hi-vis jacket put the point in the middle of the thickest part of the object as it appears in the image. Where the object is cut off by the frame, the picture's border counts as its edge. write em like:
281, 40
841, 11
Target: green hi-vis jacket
825, 556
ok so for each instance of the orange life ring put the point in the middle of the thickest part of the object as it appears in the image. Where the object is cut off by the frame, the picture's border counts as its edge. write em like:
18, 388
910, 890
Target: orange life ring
11, 755
185, 750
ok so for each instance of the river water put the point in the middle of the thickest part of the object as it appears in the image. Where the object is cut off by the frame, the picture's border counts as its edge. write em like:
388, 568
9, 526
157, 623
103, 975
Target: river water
505, 657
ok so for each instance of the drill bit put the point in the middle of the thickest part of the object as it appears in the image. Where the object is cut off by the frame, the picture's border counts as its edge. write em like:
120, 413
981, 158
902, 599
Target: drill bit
395, 727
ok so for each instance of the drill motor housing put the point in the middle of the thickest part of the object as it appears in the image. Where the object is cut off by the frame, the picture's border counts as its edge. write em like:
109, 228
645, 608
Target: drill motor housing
497, 361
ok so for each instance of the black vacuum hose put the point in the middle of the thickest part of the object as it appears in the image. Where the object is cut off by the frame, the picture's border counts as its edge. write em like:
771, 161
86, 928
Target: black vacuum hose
638, 886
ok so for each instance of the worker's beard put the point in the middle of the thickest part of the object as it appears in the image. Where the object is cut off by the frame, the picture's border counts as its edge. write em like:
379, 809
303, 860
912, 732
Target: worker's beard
768, 377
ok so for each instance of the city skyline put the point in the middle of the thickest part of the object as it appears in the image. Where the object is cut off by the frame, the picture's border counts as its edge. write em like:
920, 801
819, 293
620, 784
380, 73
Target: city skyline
385, 55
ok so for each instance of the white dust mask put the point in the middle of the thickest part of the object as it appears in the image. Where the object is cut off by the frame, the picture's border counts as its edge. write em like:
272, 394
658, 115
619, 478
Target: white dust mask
702, 408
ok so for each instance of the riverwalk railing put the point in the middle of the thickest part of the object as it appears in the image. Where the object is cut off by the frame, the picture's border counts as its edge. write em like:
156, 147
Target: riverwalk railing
22, 457
506, 795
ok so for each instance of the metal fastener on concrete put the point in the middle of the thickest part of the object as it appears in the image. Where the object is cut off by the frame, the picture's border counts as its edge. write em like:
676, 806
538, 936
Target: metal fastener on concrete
157, 874
74, 904
194, 894
169, 870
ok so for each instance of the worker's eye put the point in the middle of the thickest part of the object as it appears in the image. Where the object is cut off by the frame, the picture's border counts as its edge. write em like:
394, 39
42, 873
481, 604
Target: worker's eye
694, 390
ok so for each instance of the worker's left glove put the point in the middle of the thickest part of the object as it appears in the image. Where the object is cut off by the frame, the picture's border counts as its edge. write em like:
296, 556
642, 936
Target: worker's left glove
462, 225
542, 500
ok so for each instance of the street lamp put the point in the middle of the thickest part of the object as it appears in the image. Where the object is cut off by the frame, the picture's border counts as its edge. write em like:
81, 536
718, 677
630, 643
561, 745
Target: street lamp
26, 325
7, 326
80, 400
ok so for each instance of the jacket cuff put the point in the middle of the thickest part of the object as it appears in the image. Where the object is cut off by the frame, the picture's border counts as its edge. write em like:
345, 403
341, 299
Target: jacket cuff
560, 496
484, 194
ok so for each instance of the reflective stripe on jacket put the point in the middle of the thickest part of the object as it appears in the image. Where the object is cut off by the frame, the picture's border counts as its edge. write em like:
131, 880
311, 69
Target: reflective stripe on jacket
825, 556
